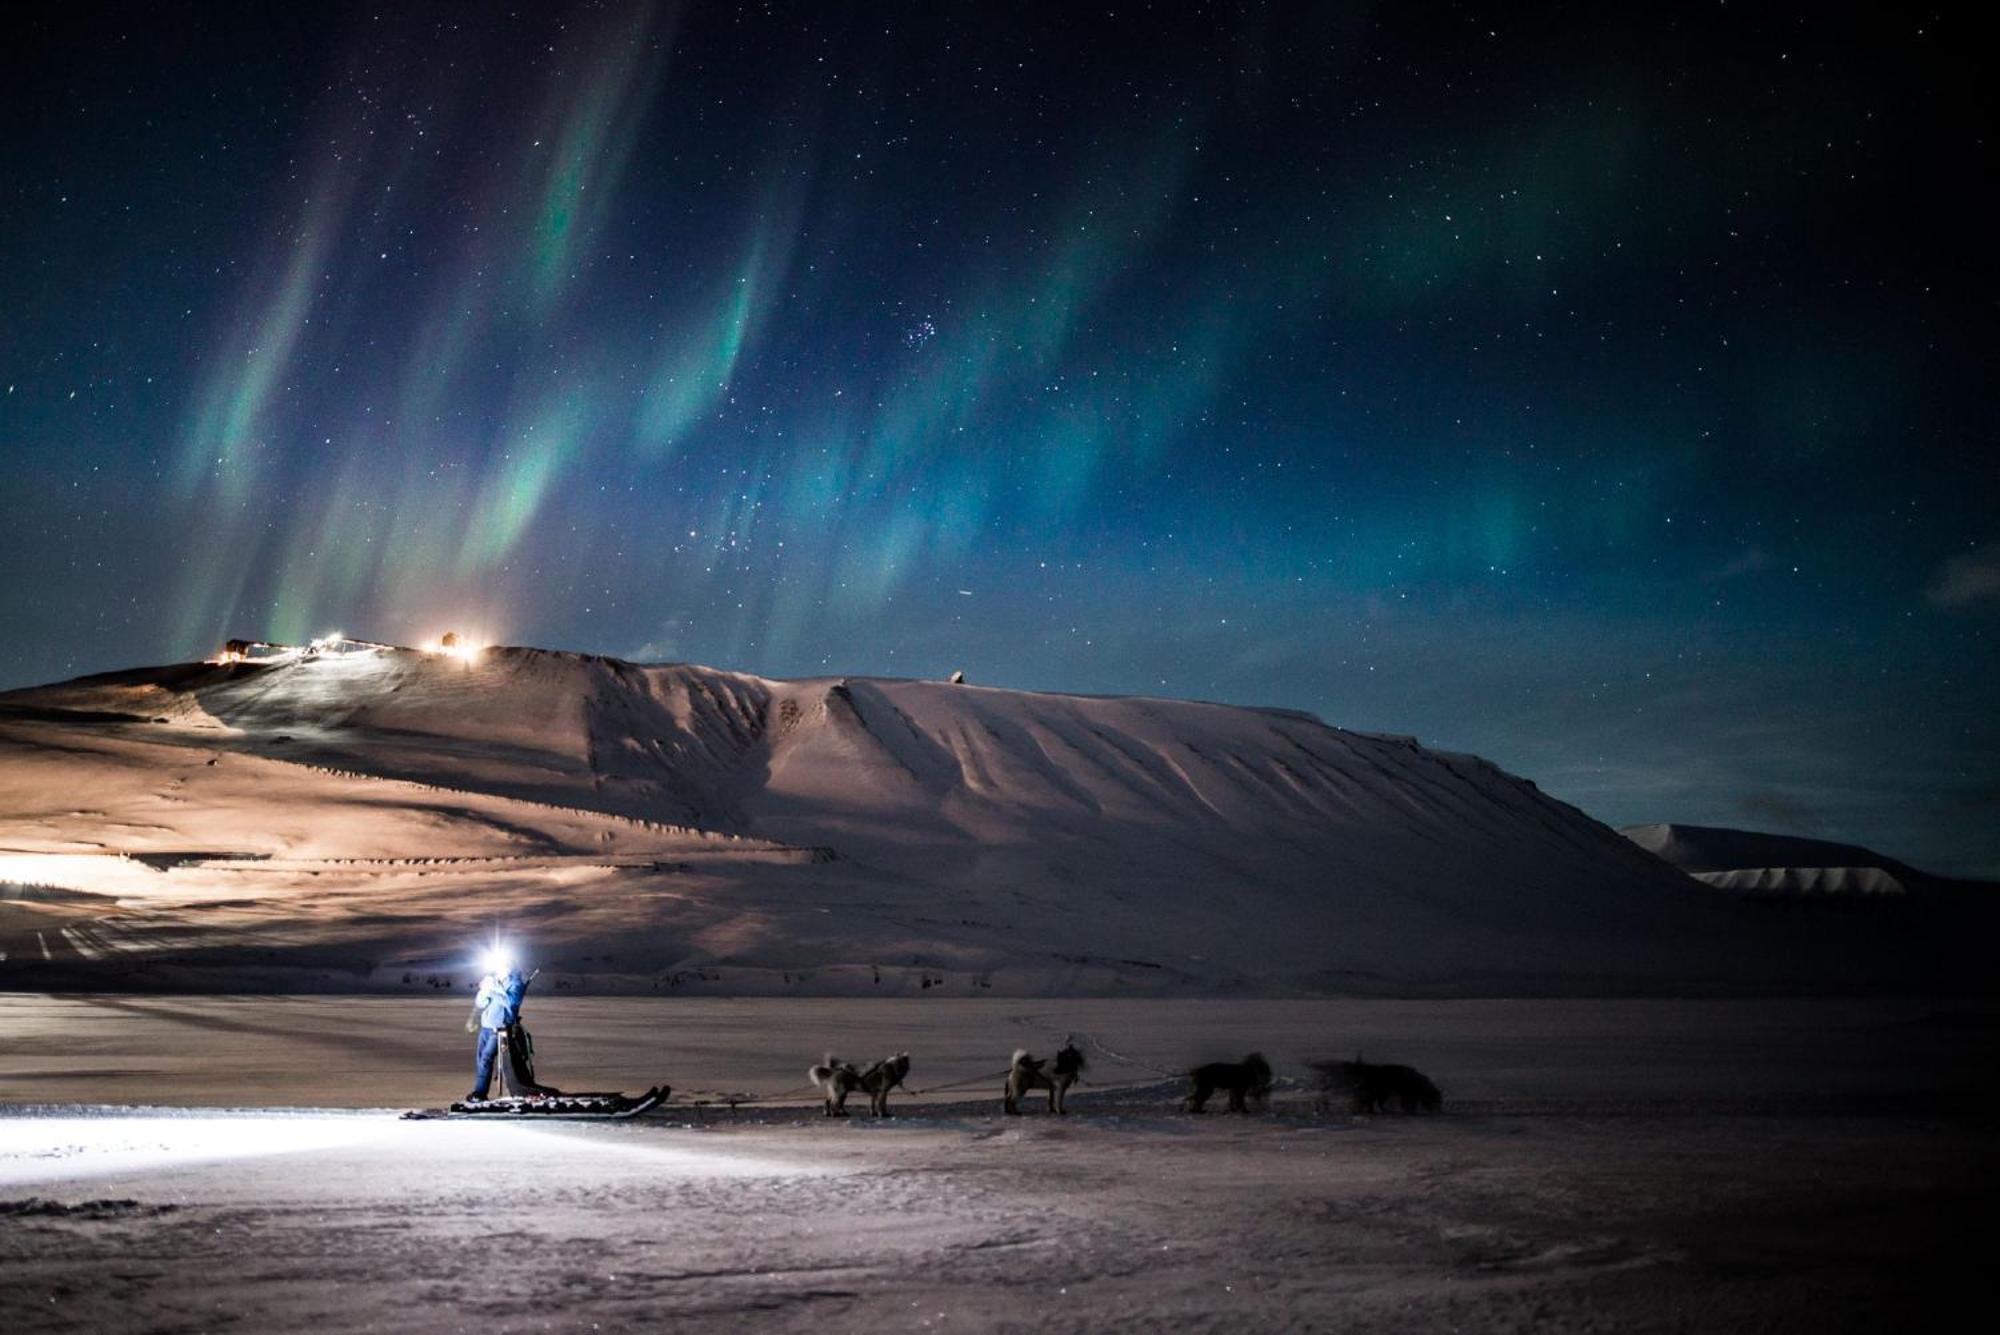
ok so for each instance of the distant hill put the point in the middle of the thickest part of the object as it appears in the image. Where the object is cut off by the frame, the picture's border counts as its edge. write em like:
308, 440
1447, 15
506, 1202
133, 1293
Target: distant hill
1751, 861
362, 820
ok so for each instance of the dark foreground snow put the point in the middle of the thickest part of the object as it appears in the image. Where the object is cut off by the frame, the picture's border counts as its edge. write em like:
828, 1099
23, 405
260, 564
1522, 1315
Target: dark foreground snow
1642, 1166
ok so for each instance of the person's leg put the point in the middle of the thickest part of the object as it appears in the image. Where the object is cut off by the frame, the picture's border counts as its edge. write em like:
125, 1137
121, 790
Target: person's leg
489, 1044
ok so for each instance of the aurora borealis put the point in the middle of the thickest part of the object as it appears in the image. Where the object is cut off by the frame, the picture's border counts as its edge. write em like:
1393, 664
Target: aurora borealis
1605, 390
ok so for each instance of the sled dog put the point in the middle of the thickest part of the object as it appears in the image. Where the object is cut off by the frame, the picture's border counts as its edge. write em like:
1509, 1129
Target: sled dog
1372, 1088
1025, 1073
1249, 1078
836, 1079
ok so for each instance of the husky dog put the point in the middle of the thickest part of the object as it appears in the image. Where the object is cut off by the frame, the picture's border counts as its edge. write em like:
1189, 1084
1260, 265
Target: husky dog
1025, 1073
1372, 1089
1249, 1078
837, 1079
882, 1077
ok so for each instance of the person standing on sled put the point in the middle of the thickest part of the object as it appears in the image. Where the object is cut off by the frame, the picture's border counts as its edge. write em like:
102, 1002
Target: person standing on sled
496, 1015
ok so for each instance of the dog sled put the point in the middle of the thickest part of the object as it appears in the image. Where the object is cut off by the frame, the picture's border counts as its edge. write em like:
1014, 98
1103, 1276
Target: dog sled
528, 1098
599, 1106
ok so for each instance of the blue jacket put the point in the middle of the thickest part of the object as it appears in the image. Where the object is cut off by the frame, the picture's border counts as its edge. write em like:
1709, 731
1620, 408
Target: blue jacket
499, 1000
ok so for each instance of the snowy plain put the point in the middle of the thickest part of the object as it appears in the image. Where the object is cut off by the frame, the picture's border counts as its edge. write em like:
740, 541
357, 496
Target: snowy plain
238, 903
1628, 1165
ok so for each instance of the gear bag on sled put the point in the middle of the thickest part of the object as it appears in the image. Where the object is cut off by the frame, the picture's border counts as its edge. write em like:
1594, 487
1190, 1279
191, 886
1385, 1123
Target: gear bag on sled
519, 1070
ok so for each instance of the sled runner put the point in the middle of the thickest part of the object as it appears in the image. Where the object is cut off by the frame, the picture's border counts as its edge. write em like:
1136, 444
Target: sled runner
594, 1107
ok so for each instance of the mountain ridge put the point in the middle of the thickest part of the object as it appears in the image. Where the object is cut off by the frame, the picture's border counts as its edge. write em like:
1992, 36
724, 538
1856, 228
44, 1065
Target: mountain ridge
1761, 862
989, 839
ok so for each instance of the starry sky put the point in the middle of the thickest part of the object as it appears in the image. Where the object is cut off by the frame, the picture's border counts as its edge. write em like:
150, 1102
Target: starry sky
1601, 389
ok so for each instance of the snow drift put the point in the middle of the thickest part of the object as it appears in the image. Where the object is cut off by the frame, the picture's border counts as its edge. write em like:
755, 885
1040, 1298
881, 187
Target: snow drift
356, 821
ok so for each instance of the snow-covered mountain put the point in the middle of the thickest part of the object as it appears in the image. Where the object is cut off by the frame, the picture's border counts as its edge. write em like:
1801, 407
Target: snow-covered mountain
1756, 862
362, 820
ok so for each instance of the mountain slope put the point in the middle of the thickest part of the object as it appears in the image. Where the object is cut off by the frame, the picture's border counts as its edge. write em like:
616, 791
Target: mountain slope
674, 825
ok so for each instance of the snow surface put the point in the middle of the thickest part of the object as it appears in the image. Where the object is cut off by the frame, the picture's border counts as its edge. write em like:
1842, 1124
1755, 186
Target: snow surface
357, 822
1642, 1165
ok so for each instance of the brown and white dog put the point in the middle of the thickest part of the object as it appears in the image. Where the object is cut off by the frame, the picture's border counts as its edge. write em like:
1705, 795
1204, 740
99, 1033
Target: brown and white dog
836, 1079
1025, 1073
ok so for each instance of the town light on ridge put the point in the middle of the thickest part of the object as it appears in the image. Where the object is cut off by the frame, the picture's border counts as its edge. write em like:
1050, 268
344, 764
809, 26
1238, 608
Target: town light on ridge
452, 644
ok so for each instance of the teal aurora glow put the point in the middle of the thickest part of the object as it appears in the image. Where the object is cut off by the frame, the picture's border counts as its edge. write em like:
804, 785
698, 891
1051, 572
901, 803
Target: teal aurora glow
1604, 389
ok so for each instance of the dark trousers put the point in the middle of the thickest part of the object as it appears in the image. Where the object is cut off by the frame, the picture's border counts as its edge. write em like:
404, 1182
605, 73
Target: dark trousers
489, 1048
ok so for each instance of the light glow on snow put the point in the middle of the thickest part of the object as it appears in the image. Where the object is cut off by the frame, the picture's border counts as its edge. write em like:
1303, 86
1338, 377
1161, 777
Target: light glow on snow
41, 1149
92, 873
38, 1149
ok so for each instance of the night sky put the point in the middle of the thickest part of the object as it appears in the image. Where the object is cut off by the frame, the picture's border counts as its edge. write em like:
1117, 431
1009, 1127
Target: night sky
1603, 389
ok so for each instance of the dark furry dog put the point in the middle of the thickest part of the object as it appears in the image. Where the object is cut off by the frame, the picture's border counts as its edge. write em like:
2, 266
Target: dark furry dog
1249, 1078
1025, 1073
1373, 1089
836, 1079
